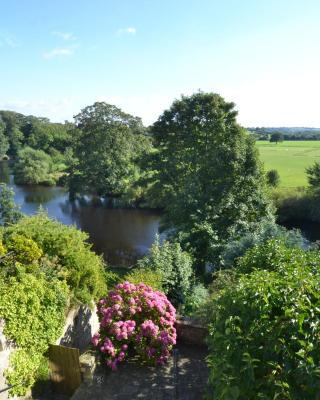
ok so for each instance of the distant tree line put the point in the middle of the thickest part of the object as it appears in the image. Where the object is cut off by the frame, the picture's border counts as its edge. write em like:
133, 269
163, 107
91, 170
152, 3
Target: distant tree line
286, 133
39, 147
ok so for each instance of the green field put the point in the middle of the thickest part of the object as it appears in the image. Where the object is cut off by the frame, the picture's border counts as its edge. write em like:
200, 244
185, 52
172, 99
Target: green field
290, 159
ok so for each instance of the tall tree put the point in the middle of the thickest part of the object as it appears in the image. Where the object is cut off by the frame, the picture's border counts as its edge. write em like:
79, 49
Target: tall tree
206, 168
313, 174
106, 143
276, 137
4, 143
12, 130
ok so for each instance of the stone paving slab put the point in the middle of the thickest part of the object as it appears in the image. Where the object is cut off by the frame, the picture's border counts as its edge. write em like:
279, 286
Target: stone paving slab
136, 381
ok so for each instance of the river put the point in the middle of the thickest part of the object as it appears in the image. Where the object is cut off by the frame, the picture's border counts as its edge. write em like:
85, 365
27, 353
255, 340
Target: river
121, 236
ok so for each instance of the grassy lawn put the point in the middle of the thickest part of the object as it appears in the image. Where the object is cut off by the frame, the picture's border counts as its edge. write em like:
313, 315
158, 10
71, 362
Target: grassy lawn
290, 159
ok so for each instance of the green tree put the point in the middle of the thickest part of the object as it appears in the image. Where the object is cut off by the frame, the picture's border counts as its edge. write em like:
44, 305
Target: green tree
273, 178
13, 122
9, 211
106, 143
276, 137
33, 167
207, 173
313, 174
4, 143
45, 136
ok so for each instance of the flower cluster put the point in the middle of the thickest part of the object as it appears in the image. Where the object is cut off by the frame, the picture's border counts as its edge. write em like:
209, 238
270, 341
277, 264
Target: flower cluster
137, 319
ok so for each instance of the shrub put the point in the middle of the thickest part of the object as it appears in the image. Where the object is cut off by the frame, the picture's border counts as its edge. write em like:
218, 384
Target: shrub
265, 328
175, 267
274, 255
259, 234
148, 276
26, 250
34, 313
196, 299
83, 270
297, 204
134, 318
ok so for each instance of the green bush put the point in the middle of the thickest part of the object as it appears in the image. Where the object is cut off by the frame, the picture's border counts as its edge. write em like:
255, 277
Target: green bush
265, 328
274, 255
33, 167
34, 312
196, 300
259, 234
26, 250
147, 276
174, 266
297, 204
67, 246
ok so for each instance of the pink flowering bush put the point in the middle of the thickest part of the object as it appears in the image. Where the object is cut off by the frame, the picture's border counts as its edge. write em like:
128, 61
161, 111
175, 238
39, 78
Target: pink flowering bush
135, 319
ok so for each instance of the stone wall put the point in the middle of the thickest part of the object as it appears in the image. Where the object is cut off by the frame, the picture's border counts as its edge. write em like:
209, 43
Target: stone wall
189, 332
81, 324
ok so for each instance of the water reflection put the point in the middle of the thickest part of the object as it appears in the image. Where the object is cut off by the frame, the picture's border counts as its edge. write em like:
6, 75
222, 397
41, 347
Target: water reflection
120, 235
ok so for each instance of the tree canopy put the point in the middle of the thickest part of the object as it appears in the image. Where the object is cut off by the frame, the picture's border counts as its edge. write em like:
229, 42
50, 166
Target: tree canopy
106, 143
207, 171
276, 137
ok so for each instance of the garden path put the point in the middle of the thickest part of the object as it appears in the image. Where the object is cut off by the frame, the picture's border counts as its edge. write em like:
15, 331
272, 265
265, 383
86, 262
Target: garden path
183, 379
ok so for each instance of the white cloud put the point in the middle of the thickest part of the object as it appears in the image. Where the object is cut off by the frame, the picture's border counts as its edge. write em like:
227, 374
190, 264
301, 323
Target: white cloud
64, 35
130, 31
59, 52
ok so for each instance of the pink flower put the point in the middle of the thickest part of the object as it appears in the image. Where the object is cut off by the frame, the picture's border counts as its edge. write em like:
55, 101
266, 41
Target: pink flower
95, 339
138, 316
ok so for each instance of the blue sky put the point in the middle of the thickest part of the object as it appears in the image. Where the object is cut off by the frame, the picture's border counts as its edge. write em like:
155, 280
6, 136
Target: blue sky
57, 57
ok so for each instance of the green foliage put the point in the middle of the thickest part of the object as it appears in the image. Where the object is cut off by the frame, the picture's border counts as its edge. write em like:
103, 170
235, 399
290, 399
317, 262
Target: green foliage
258, 234
26, 250
33, 167
83, 270
273, 178
276, 137
207, 174
297, 204
23, 371
44, 264
48, 136
196, 300
275, 255
9, 211
174, 267
4, 142
106, 143
148, 276
265, 327
313, 174
34, 311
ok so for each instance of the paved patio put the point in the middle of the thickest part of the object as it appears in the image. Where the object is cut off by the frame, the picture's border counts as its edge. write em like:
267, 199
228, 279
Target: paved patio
184, 377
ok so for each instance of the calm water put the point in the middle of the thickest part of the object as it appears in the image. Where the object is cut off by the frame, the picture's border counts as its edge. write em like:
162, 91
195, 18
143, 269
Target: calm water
120, 235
